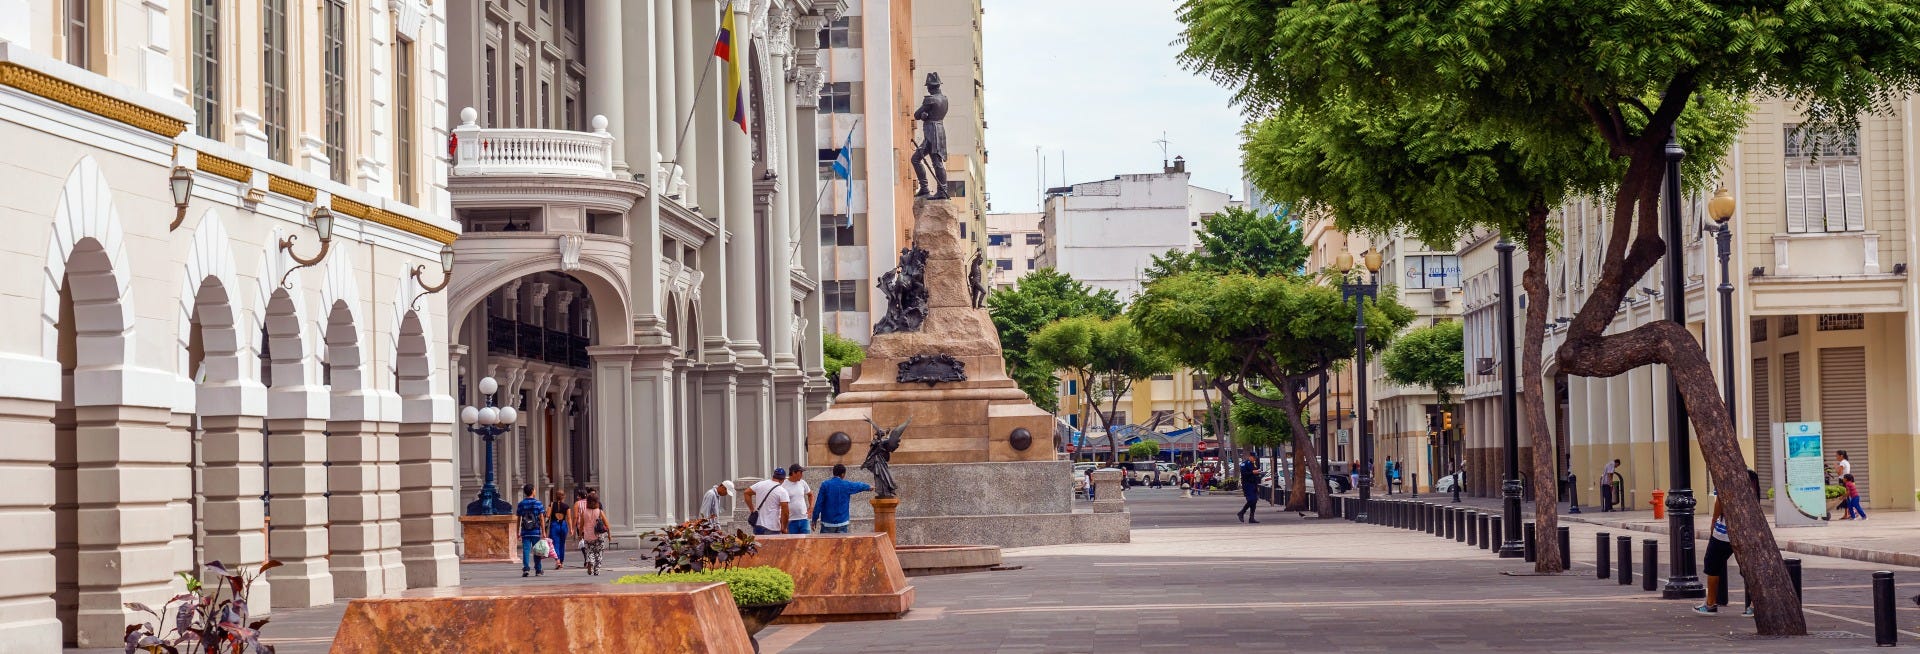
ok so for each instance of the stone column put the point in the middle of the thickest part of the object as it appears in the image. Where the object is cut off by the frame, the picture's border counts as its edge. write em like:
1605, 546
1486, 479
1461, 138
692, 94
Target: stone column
720, 455
30, 620
231, 480
654, 452
296, 447
688, 60
665, 114
604, 60
621, 491
353, 503
743, 237
427, 502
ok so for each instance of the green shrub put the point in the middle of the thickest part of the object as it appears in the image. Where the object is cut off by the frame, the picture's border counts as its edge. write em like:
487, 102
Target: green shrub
750, 586
1836, 492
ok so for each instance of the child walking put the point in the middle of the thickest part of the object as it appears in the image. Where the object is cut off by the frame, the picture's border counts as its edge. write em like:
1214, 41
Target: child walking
1852, 503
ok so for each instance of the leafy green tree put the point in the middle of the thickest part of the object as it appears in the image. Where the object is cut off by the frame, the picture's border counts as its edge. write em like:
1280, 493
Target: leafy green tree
1433, 356
1039, 298
1258, 425
1109, 354
1143, 451
841, 352
1276, 331
1631, 69
1238, 240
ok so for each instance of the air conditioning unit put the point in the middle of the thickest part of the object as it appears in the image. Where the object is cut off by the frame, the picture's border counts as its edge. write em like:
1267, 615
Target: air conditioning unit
1483, 366
1440, 295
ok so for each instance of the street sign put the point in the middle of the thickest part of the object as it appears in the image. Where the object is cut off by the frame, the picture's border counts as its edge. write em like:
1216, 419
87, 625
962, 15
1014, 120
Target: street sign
1341, 435
1799, 457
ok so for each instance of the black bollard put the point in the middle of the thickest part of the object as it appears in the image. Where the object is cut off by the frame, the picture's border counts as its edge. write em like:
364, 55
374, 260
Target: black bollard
1433, 521
1885, 626
1445, 529
1793, 573
1602, 557
1650, 574
1486, 530
1528, 550
1566, 548
1625, 544
1494, 532
1471, 527
1459, 524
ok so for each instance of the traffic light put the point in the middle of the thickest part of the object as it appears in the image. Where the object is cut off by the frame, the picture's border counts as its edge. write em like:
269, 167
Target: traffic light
1446, 420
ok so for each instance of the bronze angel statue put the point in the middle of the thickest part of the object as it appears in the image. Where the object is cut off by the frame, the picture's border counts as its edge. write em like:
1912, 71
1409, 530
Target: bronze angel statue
879, 452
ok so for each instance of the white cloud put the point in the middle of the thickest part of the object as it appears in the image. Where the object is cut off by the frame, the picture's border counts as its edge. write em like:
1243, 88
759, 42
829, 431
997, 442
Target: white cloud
1097, 79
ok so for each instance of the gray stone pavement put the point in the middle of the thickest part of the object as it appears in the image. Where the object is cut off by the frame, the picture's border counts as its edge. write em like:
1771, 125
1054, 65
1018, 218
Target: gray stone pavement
1194, 577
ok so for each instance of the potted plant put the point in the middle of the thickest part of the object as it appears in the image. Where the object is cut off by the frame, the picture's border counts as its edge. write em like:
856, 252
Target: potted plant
210, 623
699, 551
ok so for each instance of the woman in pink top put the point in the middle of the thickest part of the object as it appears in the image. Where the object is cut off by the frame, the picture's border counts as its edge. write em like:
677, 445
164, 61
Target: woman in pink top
592, 542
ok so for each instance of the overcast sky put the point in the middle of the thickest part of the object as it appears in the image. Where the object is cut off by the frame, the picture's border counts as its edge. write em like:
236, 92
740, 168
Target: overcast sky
1096, 79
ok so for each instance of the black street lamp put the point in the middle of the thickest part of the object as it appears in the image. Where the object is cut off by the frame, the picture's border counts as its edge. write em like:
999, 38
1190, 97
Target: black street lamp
1721, 209
1510, 543
1358, 286
489, 422
1684, 581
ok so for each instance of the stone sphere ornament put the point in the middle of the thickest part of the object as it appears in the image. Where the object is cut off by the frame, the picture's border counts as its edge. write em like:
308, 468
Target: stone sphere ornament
1020, 439
839, 443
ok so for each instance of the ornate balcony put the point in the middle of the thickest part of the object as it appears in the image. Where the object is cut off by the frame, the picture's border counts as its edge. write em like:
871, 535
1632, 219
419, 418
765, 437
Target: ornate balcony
483, 151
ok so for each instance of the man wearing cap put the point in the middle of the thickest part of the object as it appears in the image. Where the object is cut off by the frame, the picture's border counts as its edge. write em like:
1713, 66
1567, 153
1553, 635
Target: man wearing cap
769, 504
799, 495
710, 503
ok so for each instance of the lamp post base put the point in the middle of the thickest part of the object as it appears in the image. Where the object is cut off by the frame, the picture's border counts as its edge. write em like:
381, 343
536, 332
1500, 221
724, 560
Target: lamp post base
1683, 579
489, 503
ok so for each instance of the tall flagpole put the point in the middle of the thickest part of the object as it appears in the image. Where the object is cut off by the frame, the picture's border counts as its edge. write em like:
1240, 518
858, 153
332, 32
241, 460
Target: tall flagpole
705, 68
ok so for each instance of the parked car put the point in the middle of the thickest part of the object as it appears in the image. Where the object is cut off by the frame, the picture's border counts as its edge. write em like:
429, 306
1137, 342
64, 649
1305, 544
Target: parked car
1445, 484
1140, 473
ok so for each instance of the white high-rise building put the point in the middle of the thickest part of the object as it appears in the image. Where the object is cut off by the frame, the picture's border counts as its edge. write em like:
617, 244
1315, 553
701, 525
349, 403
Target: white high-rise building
1106, 233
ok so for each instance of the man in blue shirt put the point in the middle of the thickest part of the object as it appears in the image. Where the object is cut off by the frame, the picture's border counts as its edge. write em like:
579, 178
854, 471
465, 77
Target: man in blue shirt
533, 524
832, 508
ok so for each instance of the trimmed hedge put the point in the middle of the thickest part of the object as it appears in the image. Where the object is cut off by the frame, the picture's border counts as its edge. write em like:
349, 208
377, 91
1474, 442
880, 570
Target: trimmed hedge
750, 586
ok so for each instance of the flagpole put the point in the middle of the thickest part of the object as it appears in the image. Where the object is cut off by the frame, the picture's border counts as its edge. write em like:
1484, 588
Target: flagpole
705, 68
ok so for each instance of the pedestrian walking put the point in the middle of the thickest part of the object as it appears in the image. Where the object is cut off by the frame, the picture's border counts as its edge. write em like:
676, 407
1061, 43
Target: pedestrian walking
1353, 473
1250, 486
799, 495
834, 508
533, 526
1393, 475
1852, 501
593, 534
1719, 551
557, 527
710, 503
770, 504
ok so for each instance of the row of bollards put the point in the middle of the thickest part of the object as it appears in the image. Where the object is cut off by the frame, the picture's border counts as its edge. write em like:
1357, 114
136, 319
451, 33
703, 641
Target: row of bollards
1482, 529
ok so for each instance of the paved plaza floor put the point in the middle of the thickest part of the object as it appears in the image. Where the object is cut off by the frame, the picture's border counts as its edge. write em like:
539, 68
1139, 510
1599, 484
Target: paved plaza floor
1193, 577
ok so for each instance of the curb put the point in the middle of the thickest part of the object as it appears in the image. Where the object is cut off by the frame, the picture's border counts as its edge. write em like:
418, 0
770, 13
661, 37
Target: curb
1907, 559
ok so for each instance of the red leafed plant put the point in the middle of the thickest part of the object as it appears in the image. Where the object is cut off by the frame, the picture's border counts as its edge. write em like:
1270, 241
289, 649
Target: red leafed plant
696, 545
208, 622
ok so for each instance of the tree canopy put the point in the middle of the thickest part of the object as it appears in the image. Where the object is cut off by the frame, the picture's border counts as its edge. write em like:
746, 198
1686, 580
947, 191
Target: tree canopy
1238, 240
1260, 425
1433, 356
1108, 354
1143, 450
1037, 299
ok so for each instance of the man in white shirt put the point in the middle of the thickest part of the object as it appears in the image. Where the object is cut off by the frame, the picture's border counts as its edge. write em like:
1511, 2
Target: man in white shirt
800, 498
768, 499
710, 503
1607, 499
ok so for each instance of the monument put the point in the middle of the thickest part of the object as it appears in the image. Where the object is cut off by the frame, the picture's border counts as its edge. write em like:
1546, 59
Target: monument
975, 464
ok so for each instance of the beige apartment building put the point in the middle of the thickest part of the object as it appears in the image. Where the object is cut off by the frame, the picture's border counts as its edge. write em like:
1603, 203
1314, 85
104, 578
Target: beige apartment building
1824, 328
233, 214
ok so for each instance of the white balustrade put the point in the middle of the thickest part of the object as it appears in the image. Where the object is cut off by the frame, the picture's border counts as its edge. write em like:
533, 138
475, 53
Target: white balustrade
483, 151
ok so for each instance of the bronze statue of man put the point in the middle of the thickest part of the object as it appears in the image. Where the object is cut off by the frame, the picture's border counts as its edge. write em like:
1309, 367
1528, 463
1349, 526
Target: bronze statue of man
932, 150
978, 289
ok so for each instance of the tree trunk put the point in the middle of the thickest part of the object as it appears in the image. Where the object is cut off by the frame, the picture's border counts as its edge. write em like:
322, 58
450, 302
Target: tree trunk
1533, 398
1113, 406
1306, 455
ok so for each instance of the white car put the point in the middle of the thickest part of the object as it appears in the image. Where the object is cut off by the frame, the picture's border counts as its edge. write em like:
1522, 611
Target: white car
1140, 473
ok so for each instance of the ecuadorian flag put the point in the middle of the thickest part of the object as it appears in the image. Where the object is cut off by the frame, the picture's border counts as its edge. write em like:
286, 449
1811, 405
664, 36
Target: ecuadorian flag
723, 48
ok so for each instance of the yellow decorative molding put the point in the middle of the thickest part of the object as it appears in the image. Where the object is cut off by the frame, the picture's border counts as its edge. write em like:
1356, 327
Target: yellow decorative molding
88, 100
231, 170
391, 219
290, 188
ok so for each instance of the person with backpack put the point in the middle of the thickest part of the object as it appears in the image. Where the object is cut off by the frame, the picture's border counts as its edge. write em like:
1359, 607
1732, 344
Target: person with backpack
533, 528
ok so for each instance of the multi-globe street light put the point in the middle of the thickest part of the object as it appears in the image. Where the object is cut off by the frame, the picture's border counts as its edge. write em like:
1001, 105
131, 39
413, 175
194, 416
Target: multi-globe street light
1358, 286
489, 422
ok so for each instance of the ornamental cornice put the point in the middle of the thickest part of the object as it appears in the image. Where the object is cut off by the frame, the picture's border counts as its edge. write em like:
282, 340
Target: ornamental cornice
486, 191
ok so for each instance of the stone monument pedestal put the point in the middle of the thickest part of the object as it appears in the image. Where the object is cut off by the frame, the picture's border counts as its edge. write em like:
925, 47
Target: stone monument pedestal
489, 539
977, 464
884, 509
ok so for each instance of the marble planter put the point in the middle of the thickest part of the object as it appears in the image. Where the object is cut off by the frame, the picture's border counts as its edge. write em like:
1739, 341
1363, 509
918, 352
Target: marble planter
558, 618
490, 539
838, 577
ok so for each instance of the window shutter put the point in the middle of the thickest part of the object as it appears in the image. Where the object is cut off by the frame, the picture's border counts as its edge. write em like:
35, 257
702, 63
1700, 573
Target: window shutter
1796, 198
1856, 219
1833, 210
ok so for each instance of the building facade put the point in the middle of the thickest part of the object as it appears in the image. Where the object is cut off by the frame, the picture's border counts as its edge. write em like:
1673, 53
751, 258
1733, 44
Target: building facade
233, 346
1823, 310
869, 94
637, 271
1013, 247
